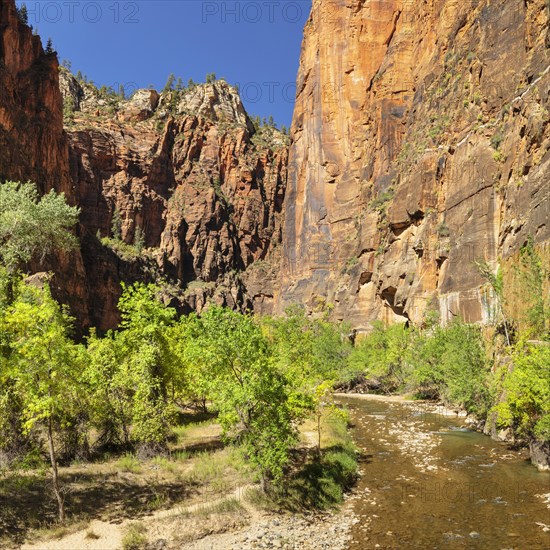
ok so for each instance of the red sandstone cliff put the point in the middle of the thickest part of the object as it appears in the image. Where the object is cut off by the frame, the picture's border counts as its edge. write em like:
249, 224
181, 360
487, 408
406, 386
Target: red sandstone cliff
419, 145
33, 144
189, 175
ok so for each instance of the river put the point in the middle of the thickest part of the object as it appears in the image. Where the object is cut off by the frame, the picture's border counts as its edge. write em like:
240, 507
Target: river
429, 483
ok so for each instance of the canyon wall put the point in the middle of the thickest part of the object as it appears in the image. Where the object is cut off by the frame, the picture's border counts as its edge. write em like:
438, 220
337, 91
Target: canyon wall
196, 189
419, 148
33, 144
178, 188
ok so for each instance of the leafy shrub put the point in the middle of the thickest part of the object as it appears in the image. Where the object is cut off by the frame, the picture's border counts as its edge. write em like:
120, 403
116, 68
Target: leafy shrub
526, 406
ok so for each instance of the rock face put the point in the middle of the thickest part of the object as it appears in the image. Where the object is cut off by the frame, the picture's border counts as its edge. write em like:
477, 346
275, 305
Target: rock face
198, 191
177, 186
33, 144
419, 146
32, 141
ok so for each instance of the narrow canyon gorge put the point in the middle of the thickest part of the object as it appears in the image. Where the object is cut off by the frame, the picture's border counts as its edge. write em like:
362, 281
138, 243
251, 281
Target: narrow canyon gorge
419, 146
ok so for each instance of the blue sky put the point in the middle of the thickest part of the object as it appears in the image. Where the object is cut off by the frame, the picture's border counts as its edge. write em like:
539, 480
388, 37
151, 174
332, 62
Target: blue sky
253, 43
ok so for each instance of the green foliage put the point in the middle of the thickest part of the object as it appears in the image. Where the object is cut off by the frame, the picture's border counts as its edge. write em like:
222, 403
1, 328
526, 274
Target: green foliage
443, 230
135, 537
68, 110
41, 369
445, 363
129, 463
139, 240
116, 225
31, 225
23, 14
381, 202
169, 86
321, 482
257, 405
532, 276
44, 362
526, 406
210, 78
496, 140
381, 355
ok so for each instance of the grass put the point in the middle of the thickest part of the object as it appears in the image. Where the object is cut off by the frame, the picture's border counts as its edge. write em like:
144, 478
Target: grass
381, 202
128, 463
227, 506
165, 464
135, 537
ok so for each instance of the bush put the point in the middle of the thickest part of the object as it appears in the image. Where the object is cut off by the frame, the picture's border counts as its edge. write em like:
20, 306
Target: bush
526, 406
447, 363
320, 484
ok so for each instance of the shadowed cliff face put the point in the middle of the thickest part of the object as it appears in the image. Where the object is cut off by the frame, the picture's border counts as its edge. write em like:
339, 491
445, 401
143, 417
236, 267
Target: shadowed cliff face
191, 178
33, 145
32, 141
419, 145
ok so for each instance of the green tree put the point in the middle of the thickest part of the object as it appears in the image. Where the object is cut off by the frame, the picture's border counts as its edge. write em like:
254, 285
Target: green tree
257, 406
532, 276
210, 78
32, 226
23, 14
139, 239
169, 86
110, 390
116, 225
381, 355
144, 320
49, 46
44, 364
526, 390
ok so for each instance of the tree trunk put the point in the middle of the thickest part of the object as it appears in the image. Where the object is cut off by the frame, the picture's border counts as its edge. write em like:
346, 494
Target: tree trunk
319, 434
53, 460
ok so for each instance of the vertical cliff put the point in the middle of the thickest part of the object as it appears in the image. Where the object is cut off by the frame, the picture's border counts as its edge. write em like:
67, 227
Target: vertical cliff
419, 146
33, 144
32, 140
195, 188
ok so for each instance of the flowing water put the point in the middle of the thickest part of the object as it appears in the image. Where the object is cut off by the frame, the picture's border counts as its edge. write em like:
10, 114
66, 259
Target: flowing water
429, 483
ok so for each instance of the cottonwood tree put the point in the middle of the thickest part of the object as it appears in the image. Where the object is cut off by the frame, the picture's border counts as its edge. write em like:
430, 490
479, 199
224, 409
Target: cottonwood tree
257, 406
44, 365
129, 371
32, 226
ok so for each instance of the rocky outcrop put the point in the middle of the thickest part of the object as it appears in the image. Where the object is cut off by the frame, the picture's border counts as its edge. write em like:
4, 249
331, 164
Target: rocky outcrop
419, 146
198, 191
